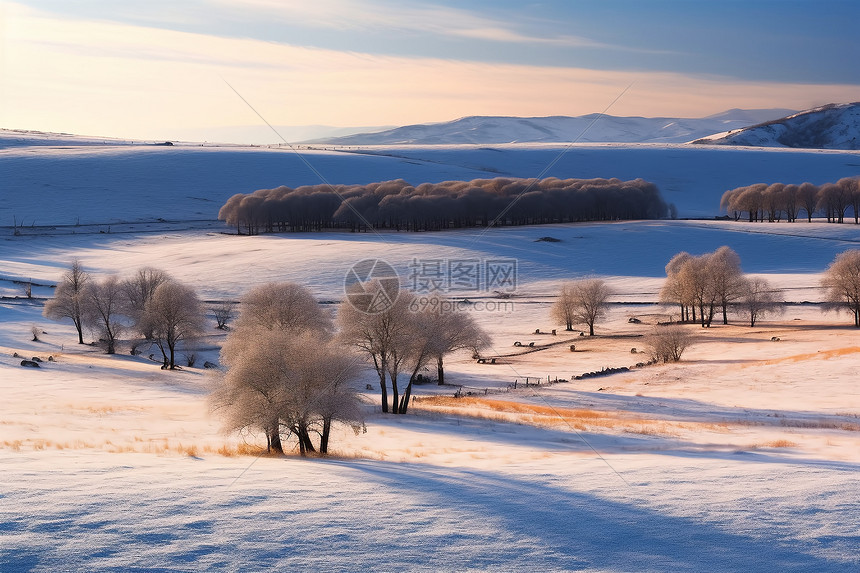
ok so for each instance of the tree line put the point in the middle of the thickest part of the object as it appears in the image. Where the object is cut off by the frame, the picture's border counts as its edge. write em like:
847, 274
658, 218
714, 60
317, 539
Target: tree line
398, 205
778, 201
702, 286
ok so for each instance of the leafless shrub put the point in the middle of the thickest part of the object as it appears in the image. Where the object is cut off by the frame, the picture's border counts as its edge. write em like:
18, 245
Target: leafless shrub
758, 298
668, 342
224, 312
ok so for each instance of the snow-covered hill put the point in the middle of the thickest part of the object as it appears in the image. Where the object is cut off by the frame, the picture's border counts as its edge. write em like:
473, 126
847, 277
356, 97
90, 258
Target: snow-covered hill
834, 126
585, 128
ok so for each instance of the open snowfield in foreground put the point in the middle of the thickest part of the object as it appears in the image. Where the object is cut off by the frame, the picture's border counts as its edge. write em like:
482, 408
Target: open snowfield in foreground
743, 457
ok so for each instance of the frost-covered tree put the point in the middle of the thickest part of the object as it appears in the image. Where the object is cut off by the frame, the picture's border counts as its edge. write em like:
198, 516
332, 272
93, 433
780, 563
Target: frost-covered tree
103, 311
841, 282
284, 372
282, 306
69, 298
280, 382
758, 298
172, 314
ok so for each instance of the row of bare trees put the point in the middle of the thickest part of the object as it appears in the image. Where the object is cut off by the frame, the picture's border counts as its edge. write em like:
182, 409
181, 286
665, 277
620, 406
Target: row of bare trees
150, 303
702, 285
399, 205
778, 201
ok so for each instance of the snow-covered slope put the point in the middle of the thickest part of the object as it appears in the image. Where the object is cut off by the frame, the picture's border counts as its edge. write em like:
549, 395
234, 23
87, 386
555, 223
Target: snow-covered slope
834, 126
585, 128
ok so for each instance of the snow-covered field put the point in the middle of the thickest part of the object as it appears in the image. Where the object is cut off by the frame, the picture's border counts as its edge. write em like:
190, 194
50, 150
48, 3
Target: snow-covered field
743, 457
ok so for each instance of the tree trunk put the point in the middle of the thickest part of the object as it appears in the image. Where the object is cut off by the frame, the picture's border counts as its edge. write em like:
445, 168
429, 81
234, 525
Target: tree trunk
440, 370
326, 432
407, 394
591, 329
384, 388
725, 314
273, 439
305, 444
80, 330
395, 395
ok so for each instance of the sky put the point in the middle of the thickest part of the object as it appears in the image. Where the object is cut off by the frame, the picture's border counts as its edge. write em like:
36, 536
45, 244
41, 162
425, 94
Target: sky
204, 69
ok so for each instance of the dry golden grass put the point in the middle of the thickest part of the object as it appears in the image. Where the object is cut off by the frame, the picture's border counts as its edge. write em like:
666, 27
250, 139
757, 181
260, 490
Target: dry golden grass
781, 444
548, 416
773, 444
812, 356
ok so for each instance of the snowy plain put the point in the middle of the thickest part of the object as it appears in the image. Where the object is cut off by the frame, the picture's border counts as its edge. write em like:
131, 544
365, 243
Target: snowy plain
743, 457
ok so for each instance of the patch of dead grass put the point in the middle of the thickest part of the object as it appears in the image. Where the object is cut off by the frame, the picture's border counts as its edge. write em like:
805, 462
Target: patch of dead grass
548, 416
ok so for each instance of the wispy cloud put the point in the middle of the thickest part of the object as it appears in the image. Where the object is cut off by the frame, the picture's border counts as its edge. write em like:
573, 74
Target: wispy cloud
134, 81
375, 16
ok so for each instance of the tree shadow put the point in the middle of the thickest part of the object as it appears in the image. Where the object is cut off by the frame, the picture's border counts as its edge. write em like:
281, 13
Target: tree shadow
552, 527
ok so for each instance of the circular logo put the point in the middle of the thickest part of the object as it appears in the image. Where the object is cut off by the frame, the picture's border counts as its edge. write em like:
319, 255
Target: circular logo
371, 286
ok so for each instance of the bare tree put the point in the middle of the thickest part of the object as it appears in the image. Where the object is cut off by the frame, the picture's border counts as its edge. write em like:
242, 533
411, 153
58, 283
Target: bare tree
676, 290
724, 271
587, 299
282, 306
758, 298
172, 314
280, 381
103, 311
841, 281
455, 331
851, 186
69, 298
563, 310
224, 312
774, 201
138, 289
834, 200
807, 198
668, 342
386, 338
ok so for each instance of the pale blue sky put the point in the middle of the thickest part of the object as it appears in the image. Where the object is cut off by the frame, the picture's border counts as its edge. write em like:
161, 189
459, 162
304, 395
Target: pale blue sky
135, 67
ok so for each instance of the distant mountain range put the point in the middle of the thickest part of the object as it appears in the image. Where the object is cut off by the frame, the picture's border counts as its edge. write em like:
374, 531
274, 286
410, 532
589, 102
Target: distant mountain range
834, 126
592, 128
